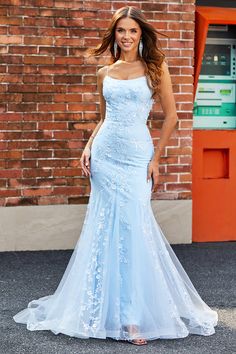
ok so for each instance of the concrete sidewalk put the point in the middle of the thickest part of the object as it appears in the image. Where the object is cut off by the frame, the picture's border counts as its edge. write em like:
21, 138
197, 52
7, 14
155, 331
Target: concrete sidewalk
29, 275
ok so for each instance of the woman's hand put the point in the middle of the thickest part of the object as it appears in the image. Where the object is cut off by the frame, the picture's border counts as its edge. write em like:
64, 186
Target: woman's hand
153, 172
84, 161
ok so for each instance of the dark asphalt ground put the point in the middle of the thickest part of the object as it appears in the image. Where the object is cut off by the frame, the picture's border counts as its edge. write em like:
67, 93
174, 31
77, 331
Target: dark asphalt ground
26, 276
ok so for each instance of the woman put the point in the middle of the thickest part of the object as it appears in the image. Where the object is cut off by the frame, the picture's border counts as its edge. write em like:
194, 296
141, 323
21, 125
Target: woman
123, 279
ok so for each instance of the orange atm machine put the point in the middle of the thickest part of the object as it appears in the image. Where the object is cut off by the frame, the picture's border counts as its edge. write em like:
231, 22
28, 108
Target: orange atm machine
214, 126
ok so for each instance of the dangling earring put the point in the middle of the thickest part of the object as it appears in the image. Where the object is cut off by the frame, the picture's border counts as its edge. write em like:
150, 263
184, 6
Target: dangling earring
140, 47
115, 49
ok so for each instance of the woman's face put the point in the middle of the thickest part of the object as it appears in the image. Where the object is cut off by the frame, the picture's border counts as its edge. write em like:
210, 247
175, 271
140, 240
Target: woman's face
127, 34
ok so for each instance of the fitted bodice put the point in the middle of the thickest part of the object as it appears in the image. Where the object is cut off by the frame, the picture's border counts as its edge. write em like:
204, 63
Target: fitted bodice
127, 101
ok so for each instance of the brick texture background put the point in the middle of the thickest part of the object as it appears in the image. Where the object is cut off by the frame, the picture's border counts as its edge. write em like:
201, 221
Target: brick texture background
49, 104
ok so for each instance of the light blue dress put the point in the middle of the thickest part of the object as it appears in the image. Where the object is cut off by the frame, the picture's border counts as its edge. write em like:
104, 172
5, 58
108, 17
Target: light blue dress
122, 271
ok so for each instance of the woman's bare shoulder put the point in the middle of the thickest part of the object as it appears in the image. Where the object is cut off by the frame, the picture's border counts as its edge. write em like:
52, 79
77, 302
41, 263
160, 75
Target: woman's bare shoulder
164, 66
101, 73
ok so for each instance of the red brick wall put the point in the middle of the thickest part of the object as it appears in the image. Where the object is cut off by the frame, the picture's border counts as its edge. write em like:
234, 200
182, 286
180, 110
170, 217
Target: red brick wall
49, 103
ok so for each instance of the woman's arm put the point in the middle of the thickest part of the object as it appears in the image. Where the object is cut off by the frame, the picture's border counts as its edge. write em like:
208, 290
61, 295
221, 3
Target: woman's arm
102, 105
84, 160
169, 109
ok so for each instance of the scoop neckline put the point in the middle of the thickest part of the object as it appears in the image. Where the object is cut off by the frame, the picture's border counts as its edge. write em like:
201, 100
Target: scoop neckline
135, 78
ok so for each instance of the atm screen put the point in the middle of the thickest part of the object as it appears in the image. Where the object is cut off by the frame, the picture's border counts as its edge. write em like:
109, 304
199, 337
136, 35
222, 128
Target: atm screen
216, 60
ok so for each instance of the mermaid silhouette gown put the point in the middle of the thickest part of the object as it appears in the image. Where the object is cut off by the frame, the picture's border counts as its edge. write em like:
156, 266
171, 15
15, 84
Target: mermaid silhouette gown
122, 271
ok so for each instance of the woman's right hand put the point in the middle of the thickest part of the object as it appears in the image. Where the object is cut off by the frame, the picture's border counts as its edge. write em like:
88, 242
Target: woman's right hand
84, 161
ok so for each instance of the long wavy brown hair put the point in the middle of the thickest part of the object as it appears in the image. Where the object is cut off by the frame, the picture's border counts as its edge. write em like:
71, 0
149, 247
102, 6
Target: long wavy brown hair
152, 55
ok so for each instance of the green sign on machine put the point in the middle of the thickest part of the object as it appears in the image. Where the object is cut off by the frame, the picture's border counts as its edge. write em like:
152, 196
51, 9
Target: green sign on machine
215, 102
